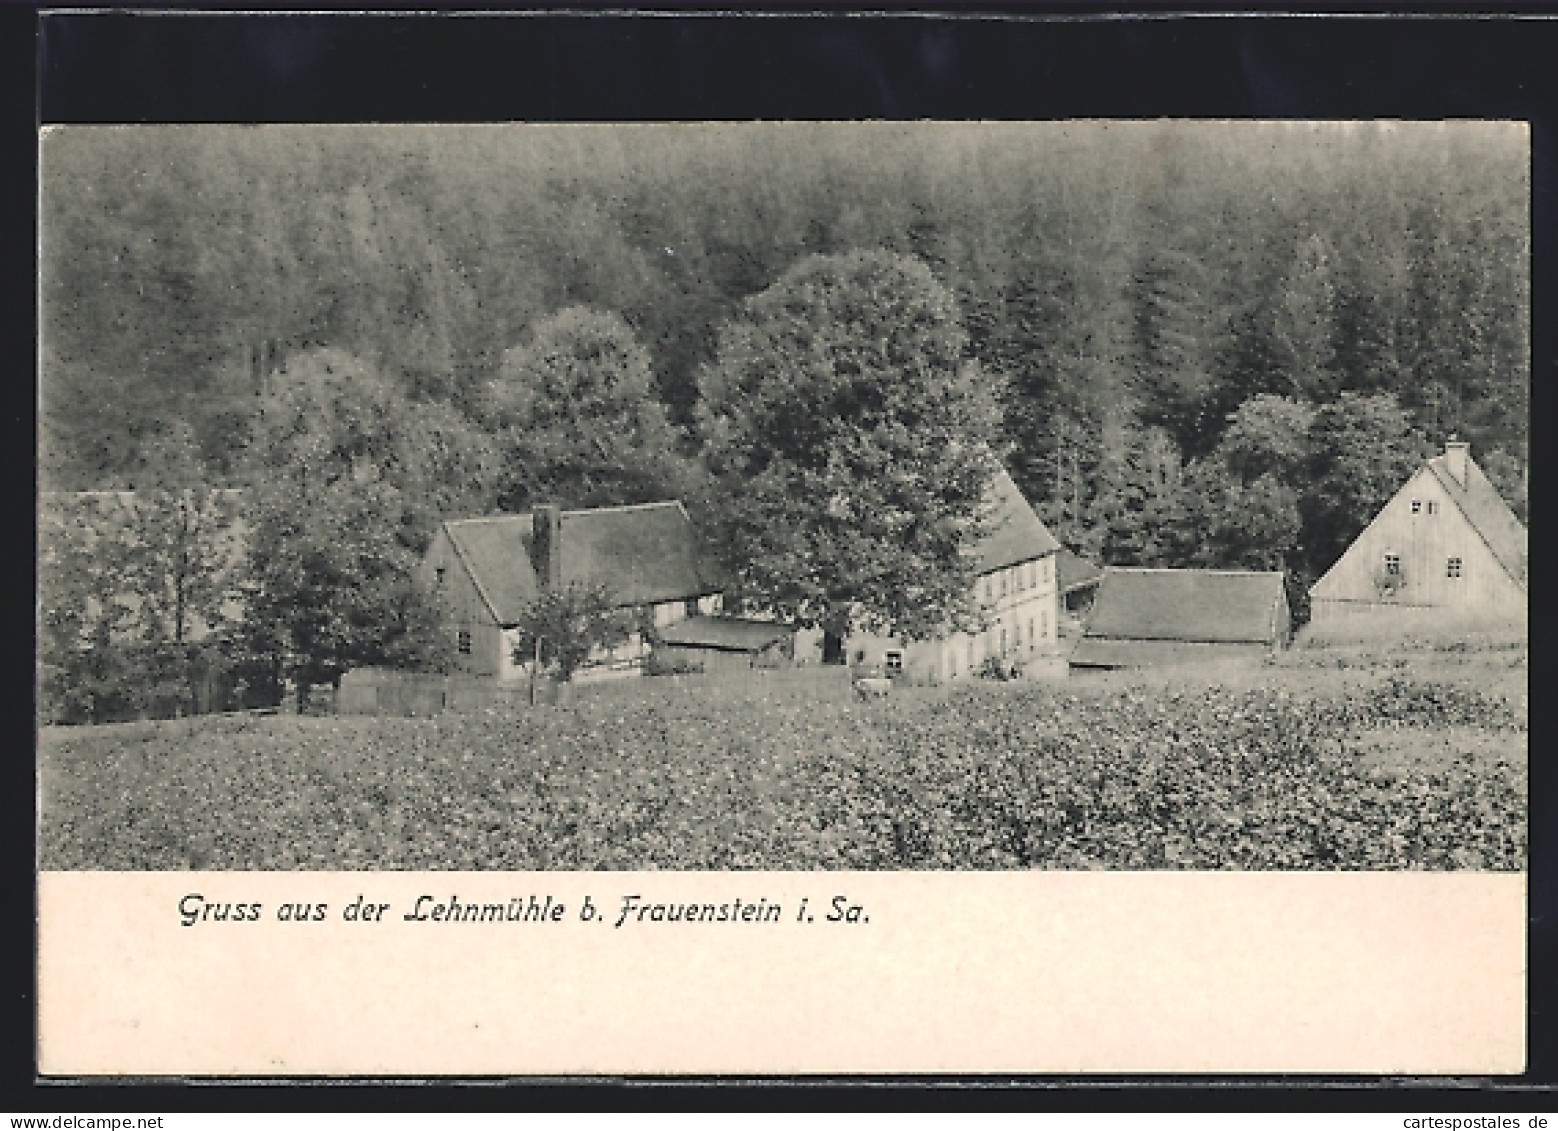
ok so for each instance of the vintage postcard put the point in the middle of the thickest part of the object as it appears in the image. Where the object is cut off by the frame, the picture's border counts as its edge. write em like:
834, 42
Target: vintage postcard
774, 598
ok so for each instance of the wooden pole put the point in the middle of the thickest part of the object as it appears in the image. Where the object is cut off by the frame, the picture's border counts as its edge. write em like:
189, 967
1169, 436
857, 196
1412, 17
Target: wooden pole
535, 666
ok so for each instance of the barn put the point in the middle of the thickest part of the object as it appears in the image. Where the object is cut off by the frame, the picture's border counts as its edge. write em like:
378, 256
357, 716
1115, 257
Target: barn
485, 572
1444, 548
1151, 617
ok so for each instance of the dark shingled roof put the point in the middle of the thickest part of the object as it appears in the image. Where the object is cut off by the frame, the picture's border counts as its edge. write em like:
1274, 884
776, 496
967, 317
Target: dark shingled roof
1488, 514
1015, 534
643, 554
731, 634
1073, 571
1213, 606
496, 551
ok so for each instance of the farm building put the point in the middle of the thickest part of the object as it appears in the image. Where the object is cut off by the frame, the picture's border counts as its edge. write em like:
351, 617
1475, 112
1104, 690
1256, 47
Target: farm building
1445, 544
715, 644
1015, 584
485, 572
1145, 617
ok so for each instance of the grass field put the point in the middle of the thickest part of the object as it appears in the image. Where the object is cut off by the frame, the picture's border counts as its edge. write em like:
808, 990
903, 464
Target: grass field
1341, 755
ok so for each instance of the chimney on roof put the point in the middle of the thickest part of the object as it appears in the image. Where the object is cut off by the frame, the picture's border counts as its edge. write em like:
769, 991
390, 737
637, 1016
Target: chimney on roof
546, 546
1456, 455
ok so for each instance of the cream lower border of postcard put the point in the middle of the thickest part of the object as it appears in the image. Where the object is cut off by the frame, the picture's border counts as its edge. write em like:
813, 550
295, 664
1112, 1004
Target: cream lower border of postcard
1034, 972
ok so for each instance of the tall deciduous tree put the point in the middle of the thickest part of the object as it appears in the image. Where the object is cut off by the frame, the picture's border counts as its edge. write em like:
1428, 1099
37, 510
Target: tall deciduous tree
346, 489
1267, 435
851, 443
578, 408
331, 585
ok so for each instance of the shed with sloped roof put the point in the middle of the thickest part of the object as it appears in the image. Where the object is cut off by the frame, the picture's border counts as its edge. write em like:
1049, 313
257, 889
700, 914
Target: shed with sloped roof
721, 643
1150, 617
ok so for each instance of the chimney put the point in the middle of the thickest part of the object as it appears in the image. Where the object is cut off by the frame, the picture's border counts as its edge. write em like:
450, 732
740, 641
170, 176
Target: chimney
1456, 455
546, 546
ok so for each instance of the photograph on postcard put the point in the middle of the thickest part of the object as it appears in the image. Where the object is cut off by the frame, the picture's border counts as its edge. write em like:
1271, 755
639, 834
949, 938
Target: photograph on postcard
1024, 596
784, 497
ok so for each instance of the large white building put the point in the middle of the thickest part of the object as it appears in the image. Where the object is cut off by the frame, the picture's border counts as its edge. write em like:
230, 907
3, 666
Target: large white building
1015, 585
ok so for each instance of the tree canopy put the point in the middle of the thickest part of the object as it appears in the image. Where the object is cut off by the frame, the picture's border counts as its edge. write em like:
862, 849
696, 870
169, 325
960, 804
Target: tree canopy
850, 440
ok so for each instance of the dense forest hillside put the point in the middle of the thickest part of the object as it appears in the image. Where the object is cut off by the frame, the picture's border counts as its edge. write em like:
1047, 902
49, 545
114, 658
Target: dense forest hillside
1195, 331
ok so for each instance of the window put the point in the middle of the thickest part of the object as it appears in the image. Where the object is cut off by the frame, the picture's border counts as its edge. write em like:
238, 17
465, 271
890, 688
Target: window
1044, 622
1005, 580
860, 655
463, 642
1033, 637
691, 605
438, 575
1433, 506
1003, 641
989, 588
1452, 567
893, 662
1393, 565
1417, 505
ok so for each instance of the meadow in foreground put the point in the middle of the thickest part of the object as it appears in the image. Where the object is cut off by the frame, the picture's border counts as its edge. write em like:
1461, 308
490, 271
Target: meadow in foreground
1299, 769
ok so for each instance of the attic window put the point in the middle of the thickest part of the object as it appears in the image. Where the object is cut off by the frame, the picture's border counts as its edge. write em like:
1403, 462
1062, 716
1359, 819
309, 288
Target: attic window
463, 642
1433, 506
439, 575
1452, 567
1417, 506
1393, 565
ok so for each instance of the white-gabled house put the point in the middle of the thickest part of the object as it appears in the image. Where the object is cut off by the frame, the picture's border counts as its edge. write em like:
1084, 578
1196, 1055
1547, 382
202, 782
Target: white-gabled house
1446, 545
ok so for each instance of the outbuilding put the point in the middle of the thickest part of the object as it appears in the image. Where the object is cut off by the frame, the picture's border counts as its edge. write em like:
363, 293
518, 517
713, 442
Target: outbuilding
715, 644
1152, 617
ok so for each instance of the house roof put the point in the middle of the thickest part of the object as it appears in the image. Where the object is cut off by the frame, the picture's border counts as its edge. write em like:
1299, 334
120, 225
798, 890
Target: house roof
643, 554
731, 634
1488, 514
1072, 571
496, 551
1212, 606
1015, 533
